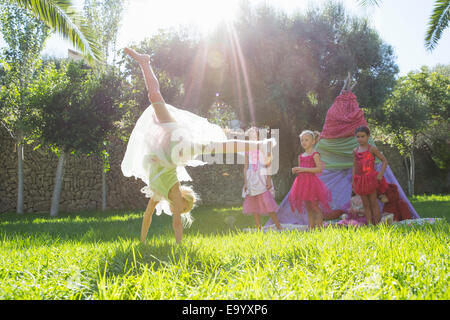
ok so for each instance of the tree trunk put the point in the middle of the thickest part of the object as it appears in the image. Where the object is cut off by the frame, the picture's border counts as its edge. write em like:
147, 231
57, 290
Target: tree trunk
20, 175
410, 172
408, 180
413, 171
54, 209
103, 189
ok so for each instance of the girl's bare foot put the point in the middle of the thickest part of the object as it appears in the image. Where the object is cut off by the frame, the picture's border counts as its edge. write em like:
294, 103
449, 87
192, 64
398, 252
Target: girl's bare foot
140, 58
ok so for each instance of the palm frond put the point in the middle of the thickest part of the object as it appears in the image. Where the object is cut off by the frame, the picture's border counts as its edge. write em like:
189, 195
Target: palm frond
60, 15
366, 3
438, 22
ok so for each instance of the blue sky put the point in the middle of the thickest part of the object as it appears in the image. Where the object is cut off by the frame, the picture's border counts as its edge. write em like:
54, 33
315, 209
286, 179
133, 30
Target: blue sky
401, 23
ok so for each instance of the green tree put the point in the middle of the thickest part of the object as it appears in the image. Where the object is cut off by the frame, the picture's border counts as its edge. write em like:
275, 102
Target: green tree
436, 87
78, 111
221, 114
442, 69
62, 17
406, 115
273, 69
111, 98
435, 138
103, 17
25, 37
295, 68
417, 113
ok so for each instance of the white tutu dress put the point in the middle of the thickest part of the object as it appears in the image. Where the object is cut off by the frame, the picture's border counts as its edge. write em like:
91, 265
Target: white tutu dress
157, 153
153, 149
256, 175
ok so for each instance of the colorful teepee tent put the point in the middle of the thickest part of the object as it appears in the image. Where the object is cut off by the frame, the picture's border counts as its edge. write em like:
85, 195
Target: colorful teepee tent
336, 146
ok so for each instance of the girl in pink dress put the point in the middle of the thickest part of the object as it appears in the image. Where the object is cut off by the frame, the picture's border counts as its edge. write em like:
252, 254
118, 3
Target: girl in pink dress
258, 191
308, 191
367, 182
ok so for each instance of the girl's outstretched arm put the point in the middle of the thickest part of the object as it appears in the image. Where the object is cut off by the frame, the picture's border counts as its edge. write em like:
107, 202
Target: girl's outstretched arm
236, 145
152, 84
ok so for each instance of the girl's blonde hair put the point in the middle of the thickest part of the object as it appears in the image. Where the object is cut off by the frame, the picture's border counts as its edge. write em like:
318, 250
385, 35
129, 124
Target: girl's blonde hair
191, 198
314, 134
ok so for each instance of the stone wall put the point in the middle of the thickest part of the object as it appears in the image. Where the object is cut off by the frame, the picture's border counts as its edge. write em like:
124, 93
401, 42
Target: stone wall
215, 184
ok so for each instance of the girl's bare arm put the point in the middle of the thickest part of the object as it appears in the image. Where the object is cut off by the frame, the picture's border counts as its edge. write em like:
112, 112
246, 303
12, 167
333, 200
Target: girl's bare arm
147, 220
382, 158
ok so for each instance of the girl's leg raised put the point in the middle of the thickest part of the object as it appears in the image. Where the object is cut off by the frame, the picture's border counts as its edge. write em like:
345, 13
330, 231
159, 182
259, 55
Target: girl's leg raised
152, 84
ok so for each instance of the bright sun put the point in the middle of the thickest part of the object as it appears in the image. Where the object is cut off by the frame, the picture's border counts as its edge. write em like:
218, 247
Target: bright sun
142, 18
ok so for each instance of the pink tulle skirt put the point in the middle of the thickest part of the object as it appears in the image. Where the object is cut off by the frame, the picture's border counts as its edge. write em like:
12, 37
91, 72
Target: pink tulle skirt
308, 187
262, 204
365, 184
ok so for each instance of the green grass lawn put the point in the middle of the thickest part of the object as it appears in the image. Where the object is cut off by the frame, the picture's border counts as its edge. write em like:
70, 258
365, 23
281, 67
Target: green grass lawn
97, 255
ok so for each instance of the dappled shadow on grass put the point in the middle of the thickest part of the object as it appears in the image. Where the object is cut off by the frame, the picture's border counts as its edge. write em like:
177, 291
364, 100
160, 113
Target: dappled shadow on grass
160, 249
153, 255
163, 253
93, 226
221, 220
80, 227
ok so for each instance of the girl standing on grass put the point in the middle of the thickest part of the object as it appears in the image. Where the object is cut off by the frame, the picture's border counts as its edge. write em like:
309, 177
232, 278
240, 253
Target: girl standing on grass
258, 191
164, 140
308, 191
366, 180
